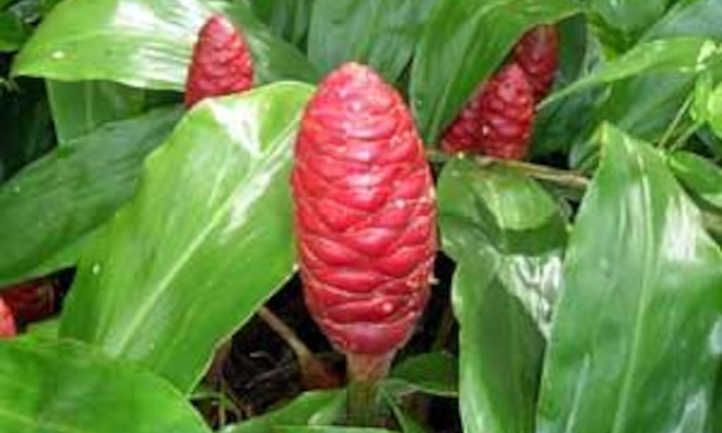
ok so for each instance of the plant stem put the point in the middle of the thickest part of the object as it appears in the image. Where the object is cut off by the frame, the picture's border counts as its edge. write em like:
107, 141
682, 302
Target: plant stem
677, 118
565, 178
314, 373
365, 372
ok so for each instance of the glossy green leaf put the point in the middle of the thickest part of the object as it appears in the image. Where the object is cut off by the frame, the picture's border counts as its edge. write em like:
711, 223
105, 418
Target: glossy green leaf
433, 373
509, 217
699, 175
79, 108
48, 208
646, 105
506, 235
619, 24
65, 387
26, 128
380, 33
206, 240
313, 407
690, 55
641, 298
464, 41
144, 44
288, 19
12, 32
328, 429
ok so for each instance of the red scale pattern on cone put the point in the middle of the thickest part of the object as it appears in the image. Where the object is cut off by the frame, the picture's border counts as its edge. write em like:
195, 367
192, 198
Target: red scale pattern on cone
221, 63
538, 55
7, 321
498, 120
364, 213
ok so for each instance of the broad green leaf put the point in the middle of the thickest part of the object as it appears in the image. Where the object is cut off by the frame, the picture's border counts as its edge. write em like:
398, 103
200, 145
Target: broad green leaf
288, 19
12, 32
313, 407
380, 33
619, 24
506, 235
641, 298
25, 126
46, 209
144, 44
81, 107
464, 41
328, 429
708, 104
432, 373
205, 241
507, 216
691, 55
500, 352
45, 330
646, 105
699, 175
65, 387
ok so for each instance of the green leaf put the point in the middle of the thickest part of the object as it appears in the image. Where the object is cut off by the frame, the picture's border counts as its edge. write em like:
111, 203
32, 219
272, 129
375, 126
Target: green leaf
463, 43
206, 240
12, 32
144, 44
509, 217
690, 55
313, 407
48, 208
641, 298
288, 19
328, 429
619, 24
646, 105
26, 125
380, 33
698, 175
506, 235
63, 387
432, 373
81, 107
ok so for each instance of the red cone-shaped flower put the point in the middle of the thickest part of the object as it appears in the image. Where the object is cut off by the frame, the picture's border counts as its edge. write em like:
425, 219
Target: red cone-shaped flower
538, 55
507, 114
498, 119
7, 322
31, 301
221, 62
364, 213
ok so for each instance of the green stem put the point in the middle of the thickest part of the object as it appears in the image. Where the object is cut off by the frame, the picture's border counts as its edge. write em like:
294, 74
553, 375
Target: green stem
365, 372
677, 119
684, 137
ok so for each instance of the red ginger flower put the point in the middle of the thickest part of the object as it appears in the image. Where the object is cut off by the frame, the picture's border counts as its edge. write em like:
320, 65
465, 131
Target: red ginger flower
221, 62
498, 120
7, 321
538, 55
364, 213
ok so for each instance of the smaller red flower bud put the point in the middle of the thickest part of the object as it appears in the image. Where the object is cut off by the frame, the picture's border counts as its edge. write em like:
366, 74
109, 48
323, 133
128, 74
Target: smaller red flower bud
538, 55
221, 63
7, 321
497, 121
